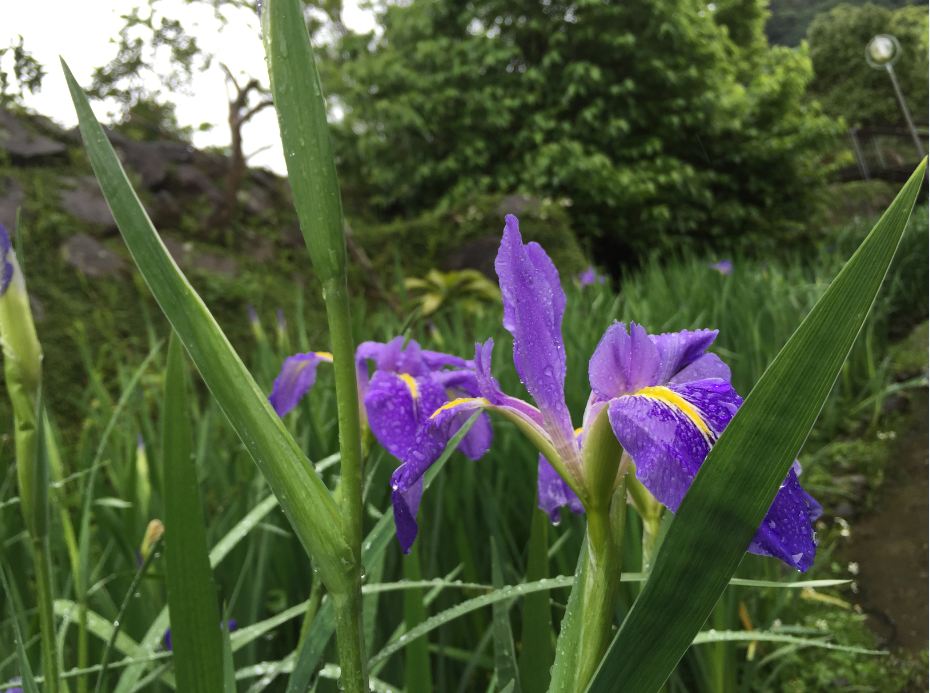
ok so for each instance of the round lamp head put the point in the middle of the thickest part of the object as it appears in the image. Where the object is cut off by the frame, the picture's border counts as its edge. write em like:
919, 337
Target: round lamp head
883, 50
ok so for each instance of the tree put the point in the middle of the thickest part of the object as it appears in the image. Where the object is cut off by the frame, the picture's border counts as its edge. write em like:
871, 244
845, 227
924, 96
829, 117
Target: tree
656, 124
19, 73
845, 83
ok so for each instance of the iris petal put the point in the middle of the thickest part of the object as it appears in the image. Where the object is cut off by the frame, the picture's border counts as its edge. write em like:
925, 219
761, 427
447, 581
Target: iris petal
297, 376
553, 493
623, 362
534, 303
668, 432
397, 405
680, 349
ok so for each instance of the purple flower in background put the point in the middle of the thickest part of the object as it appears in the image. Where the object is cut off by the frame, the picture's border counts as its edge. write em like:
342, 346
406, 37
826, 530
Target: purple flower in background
725, 267
591, 276
231, 625
408, 384
6, 264
666, 399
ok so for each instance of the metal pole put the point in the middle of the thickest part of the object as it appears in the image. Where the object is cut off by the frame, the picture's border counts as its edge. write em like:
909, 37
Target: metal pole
907, 113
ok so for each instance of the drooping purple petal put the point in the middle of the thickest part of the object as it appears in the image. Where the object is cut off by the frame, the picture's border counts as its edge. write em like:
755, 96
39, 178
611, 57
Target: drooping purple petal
785, 532
397, 405
623, 362
679, 349
6, 264
553, 493
534, 303
668, 432
430, 441
297, 376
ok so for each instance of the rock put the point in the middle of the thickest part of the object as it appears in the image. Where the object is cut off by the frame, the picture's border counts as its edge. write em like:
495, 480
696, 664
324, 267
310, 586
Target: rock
478, 254
24, 144
81, 198
519, 205
91, 257
151, 160
11, 199
190, 177
192, 258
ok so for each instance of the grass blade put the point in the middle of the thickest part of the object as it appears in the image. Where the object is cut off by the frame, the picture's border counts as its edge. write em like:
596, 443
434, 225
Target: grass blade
505, 662
735, 487
417, 676
195, 616
538, 652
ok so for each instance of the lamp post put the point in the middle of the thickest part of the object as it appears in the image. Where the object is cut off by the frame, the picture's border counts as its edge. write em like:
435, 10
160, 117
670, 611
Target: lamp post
882, 53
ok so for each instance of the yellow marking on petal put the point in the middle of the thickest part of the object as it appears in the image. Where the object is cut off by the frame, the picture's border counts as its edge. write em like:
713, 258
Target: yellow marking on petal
411, 384
325, 355
675, 401
458, 402
579, 430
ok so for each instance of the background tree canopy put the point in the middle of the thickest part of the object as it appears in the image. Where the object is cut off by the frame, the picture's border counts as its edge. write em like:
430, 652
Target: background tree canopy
845, 83
657, 123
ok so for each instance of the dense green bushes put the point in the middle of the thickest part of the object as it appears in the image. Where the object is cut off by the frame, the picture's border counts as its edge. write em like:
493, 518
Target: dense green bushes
657, 124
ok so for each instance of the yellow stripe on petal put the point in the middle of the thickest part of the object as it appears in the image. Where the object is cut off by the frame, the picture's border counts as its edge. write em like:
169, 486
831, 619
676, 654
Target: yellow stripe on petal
411, 384
675, 401
324, 355
459, 402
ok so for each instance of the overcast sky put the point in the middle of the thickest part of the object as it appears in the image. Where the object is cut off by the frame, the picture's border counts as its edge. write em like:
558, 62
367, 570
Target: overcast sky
84, 31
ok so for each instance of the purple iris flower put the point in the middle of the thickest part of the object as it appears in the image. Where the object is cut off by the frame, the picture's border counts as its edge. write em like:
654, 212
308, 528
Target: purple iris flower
6, 265
591, 276
725, 267
667, 403
408, 384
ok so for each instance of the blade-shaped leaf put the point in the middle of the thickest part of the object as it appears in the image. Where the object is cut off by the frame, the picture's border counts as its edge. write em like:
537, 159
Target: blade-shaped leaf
195, 616
505, 660
303, 496
737, 483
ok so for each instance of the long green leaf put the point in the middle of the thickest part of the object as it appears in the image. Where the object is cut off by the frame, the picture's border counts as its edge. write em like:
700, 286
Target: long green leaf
192, 602
304, 498
735, 486
417, 676
537, 653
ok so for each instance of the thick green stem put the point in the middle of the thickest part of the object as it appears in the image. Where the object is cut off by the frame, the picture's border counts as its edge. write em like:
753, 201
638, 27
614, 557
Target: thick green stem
600, 579
43, 564
350, 640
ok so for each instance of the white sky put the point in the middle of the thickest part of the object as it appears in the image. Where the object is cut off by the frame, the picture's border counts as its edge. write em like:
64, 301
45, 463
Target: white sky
84, 33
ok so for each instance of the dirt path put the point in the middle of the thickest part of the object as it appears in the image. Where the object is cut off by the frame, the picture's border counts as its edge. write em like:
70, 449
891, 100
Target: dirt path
890, 543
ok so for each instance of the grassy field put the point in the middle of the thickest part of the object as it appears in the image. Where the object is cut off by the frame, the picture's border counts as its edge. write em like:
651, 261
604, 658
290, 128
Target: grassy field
108, 489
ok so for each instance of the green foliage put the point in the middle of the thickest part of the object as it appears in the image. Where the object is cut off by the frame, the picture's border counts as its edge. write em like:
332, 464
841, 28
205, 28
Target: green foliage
467, 235
789, 20
19, 73
655, 124
845, 83
468, 291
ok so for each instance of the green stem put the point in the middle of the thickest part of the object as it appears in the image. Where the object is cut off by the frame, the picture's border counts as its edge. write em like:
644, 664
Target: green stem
43, 564
350, 640
600, 580
348, 604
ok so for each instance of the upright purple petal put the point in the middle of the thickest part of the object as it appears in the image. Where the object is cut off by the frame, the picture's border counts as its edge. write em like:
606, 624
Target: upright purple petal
553, 493
623, 362
297, 376
680, 349
704, 367
6, 264
489, 388
534, 303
